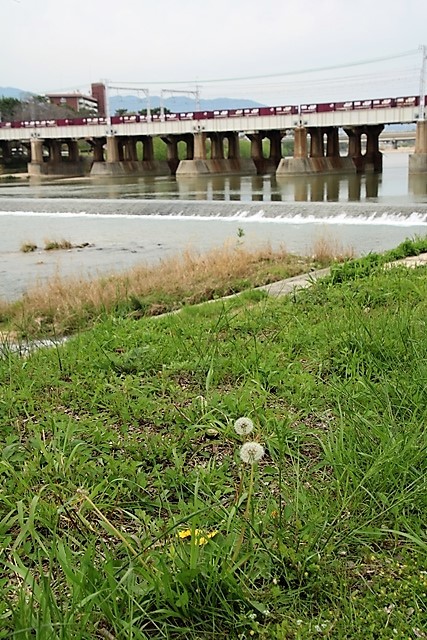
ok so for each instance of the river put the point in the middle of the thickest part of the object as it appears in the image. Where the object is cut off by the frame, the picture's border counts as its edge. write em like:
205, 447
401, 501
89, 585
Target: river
126, 221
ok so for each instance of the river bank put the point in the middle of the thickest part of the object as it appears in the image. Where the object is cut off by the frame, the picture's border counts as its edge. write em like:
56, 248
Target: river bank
131, 504
128, 222
123, 234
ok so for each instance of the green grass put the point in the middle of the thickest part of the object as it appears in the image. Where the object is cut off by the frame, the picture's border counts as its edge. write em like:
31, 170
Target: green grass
122, 437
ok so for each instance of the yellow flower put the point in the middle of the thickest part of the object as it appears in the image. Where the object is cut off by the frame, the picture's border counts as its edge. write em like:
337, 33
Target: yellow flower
201, 537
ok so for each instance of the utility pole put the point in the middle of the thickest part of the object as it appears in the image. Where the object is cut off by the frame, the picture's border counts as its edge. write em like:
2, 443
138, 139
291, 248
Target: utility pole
422, 83
107, 109
195, 93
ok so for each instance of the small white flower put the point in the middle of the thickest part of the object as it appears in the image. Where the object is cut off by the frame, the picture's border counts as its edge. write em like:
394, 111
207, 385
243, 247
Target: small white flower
243, 426
251, 452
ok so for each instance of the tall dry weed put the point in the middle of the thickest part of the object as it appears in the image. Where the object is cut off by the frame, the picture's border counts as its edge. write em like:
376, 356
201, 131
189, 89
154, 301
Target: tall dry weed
327, 249
65, 304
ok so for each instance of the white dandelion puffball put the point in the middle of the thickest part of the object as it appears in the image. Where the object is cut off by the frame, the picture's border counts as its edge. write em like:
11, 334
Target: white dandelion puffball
251, 452
243, 426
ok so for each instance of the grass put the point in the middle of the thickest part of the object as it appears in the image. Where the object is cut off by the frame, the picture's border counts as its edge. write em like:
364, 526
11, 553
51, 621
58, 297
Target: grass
52, 245
28, 247
55, 245
127, 512
65, 305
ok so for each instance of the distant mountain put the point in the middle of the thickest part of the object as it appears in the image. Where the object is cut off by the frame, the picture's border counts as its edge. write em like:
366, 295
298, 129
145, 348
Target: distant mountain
179, 103
135, 103
12, 92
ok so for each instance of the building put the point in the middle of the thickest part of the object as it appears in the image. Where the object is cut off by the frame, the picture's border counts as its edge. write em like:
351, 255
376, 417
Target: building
98, 92
94, 103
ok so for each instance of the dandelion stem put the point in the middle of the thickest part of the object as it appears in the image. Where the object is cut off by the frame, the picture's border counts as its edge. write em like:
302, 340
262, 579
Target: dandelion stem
109, 524
246, 516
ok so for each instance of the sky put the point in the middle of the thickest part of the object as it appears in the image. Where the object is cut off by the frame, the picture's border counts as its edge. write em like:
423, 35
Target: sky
273, 51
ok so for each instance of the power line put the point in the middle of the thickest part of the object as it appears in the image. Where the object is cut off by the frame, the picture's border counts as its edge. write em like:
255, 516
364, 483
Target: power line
285, 73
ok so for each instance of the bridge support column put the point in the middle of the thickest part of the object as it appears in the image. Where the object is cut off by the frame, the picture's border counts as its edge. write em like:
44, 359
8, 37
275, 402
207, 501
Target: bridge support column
171, 143
112, 149
317, 163
200, 146
372, 159
233, 146
147, 149
98, 149
300, 142
36, 164
316, 142
275, 155
333, 142
373, 155
355, 146
55, 151
122, 158
37, 151
129, 149
199, 164
418, 159
217, 146
256, 147
73, 151
56, 165
275, 138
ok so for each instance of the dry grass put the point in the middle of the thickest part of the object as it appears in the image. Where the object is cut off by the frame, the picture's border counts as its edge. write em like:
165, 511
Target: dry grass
54, 245
28, 247
326, 250
63, 305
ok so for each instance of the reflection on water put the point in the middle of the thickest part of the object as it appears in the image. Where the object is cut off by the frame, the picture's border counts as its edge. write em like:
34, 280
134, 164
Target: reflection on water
390, 186
332, 188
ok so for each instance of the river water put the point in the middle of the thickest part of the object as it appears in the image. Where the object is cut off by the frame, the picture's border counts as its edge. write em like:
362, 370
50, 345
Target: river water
127, 221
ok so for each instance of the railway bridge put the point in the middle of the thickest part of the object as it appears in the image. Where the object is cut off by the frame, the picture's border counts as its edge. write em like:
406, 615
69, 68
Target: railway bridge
212, 140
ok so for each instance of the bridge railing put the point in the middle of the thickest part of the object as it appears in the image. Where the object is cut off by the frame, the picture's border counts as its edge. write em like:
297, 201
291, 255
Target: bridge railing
295, 110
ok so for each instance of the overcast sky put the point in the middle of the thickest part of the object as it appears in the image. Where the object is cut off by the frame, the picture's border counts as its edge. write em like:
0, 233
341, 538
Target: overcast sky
55, 45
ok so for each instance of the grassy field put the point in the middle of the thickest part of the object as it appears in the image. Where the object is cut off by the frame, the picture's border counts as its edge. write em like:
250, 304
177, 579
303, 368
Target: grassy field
134, 507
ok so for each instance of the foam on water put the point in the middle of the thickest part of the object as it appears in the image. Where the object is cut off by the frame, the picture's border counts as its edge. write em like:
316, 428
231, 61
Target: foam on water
331, 213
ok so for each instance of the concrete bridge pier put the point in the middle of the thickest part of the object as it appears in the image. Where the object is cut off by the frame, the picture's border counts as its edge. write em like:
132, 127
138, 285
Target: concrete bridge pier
97, 145
171, 143
372, 159
129, 150
36, 164
122, 158
275, 155
200, 164
316, 157
266, 164
418, 159
373, 156
55, 163
233, 145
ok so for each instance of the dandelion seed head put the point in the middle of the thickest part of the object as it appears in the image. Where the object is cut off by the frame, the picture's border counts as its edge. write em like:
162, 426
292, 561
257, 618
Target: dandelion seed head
243, 426
251, 452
